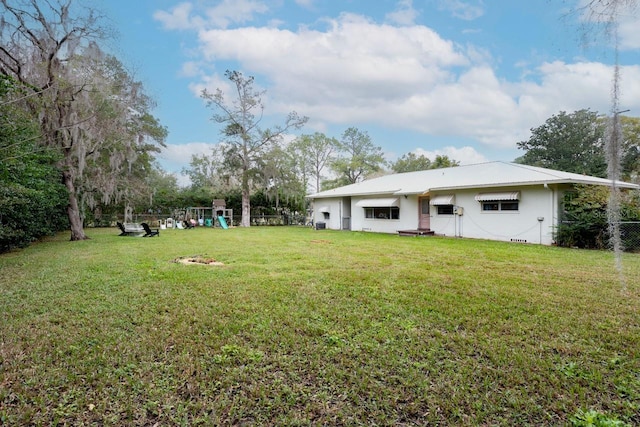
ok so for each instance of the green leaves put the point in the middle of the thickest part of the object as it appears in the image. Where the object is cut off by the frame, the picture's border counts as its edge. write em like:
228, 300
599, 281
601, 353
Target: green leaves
360, 157
568, 142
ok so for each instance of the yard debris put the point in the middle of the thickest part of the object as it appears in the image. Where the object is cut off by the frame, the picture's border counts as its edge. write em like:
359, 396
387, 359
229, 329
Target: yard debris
197, 260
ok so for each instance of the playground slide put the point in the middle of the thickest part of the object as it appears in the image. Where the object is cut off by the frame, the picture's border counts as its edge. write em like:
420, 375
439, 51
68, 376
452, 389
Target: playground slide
223, 222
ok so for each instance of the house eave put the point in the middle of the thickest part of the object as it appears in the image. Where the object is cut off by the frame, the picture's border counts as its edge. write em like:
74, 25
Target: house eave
359, 194
413, 191
619, 184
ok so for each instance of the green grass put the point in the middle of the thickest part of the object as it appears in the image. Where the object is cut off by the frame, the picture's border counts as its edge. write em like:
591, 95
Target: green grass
304, 327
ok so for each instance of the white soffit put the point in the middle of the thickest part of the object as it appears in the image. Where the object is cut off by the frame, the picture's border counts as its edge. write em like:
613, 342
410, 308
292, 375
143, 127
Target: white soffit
445, 199
491, 197
378, 203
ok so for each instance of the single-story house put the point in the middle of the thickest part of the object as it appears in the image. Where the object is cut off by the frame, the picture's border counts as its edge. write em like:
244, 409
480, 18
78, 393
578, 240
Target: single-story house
494, 200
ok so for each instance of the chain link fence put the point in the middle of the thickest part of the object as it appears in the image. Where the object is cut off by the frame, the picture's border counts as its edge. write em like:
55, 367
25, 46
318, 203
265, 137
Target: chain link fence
596, 235
630, 236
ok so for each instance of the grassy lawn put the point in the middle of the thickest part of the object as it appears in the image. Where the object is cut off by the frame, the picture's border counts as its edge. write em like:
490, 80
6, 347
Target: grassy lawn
305, 327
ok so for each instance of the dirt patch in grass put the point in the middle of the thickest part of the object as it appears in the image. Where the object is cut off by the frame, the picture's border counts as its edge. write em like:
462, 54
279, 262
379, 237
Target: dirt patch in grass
321, 241
198, 260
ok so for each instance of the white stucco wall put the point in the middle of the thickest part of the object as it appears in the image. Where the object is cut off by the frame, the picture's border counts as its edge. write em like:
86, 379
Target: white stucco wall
408, 216
335, 212
522, 225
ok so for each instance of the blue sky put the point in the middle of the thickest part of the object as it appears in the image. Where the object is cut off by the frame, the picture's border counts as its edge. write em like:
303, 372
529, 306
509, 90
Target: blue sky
465, 78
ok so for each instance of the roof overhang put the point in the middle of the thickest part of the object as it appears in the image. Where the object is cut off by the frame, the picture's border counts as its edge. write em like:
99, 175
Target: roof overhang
444, 199
386, 202
326, 195
545, 183
491, 197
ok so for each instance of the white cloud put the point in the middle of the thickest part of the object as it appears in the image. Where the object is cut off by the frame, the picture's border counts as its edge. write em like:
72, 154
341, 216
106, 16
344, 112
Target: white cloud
234, 12
174, 157
464, 10
404, 14
305, 3
628, 32
190, 69
179, 18
356, 72
226, 12
599, 13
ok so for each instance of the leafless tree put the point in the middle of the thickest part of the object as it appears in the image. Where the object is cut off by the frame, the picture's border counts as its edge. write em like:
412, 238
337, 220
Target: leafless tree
245, 139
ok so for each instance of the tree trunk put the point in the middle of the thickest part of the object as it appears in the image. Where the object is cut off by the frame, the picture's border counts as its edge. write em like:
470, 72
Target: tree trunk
246, 207
246, 193
73, 211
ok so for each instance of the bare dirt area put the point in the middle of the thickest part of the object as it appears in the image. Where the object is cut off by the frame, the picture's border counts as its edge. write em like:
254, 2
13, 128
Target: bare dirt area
198, 260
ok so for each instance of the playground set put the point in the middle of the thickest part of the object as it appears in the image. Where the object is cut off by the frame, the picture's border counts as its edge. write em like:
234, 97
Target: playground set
201, 216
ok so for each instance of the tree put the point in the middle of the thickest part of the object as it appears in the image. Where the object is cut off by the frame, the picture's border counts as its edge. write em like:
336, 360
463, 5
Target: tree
32, 200
443, 162
606, 15
411, 162
281, 178
202, 171
38, 49
90, 110
359, 158
212, 172
315, 153
119, 138
568, 142
246, 140
584, 218
630, 158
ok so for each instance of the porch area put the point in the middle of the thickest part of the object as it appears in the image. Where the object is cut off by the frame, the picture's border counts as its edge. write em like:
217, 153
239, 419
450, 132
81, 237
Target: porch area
419, 232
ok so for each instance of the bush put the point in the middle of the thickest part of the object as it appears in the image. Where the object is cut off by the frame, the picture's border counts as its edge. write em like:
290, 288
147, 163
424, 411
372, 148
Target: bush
584, 222
32, 198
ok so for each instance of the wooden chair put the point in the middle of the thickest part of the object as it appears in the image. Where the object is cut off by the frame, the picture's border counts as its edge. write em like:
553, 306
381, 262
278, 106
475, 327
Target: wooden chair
122, 230
150, 232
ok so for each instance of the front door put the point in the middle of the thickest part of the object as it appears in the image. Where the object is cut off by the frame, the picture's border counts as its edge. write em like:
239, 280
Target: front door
425, 218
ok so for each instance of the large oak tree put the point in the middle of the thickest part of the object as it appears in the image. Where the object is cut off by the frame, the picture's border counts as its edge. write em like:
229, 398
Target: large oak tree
88, 107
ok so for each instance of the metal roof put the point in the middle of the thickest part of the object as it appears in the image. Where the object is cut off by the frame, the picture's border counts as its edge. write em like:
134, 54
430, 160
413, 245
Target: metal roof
481, 175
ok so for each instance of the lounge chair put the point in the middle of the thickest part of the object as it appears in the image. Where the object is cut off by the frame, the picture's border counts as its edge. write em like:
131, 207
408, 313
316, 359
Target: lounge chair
121, 227
150, 232
130, 229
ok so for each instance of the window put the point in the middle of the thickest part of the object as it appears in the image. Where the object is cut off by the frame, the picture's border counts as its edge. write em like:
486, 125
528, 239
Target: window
391, 212
424, 206
509, 206
443, 203
503, 201
445, 209
506, 205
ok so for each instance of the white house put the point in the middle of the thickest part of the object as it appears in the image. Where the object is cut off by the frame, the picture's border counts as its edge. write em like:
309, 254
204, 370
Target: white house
495, 200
